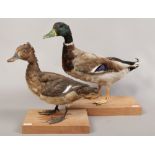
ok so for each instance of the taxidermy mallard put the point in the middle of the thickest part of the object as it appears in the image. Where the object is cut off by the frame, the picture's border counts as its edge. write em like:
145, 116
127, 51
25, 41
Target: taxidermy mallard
104, 71
51, 87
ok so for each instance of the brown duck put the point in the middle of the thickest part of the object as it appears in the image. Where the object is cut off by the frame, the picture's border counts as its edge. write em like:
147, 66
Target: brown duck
51, 87
104, 71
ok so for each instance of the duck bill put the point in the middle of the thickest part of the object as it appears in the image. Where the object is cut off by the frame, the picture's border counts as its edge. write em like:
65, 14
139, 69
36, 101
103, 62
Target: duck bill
52, 33
14, 58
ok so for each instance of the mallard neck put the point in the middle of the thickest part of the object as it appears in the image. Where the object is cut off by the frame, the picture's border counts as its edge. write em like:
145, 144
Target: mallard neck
68, 38
67, 57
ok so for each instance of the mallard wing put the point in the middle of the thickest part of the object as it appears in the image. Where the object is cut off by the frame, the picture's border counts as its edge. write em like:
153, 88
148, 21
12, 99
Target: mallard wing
124, 62
91, 64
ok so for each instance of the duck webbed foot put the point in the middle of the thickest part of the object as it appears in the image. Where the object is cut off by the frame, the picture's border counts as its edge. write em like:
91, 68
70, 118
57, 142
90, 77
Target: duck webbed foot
49, 112
103, 99
57, 119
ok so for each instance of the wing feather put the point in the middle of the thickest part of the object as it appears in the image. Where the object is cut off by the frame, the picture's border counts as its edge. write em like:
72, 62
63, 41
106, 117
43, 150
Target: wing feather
89, 64
55, 85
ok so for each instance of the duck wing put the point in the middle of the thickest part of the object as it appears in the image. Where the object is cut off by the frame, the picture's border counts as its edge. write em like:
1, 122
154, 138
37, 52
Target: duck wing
55, 85
49, 76
129, 63
91, 64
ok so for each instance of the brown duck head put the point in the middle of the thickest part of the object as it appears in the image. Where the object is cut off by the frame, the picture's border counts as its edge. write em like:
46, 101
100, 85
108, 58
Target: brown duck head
23, 52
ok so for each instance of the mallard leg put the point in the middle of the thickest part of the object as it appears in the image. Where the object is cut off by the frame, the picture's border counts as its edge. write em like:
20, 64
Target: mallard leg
58, 119
99, 90
107, 95
103, 99
49, 112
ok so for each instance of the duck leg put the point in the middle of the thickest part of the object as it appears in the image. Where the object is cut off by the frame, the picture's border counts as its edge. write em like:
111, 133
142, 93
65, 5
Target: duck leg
103, 99
107, 93
49, 112
58, 119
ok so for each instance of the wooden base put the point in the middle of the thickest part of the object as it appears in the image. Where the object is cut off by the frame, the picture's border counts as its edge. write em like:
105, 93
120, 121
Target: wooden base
117, 105
76, 122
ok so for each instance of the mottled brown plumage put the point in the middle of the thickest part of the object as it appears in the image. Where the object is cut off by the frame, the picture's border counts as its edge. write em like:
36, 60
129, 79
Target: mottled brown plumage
50, 87
87, 66
85, 62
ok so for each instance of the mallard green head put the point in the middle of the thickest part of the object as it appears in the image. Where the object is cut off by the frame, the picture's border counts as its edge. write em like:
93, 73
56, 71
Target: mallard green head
59, 29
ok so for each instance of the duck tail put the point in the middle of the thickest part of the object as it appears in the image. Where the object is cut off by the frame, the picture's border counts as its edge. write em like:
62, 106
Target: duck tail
137, 60
132, 62
133, 67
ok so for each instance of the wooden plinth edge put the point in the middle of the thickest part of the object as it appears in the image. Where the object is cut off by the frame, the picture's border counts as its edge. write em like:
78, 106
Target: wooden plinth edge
76, 122
117, 105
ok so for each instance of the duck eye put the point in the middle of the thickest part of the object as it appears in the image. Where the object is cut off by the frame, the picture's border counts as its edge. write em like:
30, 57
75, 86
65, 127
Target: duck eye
24, 51
61, 26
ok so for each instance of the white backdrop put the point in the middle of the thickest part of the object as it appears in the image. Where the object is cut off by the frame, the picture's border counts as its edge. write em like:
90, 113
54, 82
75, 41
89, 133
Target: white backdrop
122, 38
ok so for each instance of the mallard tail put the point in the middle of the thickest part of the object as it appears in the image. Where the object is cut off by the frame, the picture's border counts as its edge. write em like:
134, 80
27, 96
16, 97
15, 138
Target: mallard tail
133, 67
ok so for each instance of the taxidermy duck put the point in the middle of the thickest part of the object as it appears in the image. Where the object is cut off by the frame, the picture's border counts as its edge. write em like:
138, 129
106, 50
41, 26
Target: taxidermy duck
104, 71
51, 87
